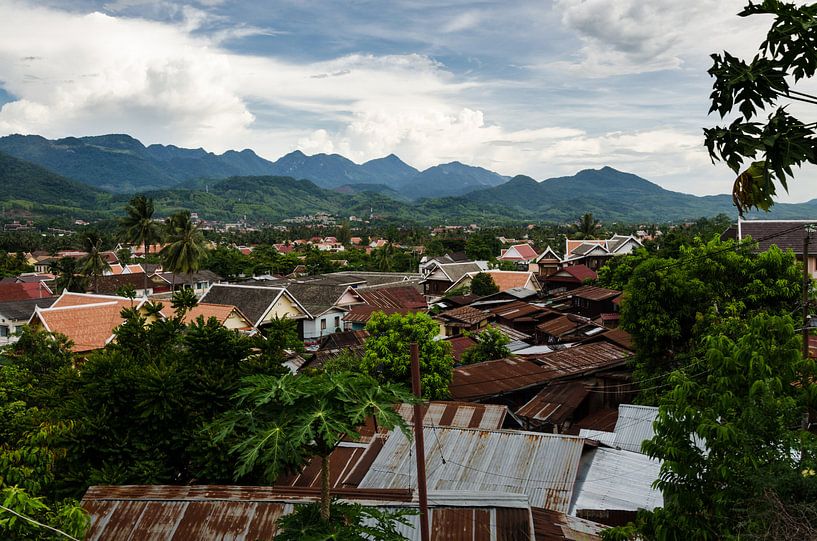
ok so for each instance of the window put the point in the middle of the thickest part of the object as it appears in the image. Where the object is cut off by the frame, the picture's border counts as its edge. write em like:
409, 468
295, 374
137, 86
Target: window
337, 322
323, 324
4, 330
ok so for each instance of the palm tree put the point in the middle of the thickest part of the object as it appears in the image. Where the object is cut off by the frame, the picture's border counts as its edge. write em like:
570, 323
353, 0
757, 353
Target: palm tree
137, 226
66, 270
587, 226
94, 263
185, 251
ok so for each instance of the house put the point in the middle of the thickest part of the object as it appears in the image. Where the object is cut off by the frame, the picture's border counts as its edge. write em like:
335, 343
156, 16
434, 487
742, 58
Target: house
20, 291
389, 300
521, 254
546, 263
522, 316
260, 304
144, 284
118, 268
440, 277
199, 281
568, 278
227, 315
566, 328
463, 319
322, 302
504, 280
785, 234
88, 320
590, 301
15, 314
595, 252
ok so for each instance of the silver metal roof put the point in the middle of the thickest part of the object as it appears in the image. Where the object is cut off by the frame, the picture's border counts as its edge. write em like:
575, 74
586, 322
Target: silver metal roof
616, 479
634, 425
542, 466
607, 438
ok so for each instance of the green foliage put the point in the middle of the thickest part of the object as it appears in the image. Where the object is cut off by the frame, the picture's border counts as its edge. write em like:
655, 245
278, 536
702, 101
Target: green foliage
618, 270
669, 304
387, 355
183, 300
185, 251
67, 271
13, 264
138, 226
227, 262
491, 344
482, 246
729, 433
127, 290
786, 57
94, 263
587, 226
483, 284
350, 522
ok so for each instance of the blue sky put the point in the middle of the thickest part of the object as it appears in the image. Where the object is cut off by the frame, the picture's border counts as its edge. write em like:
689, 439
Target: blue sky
544, 88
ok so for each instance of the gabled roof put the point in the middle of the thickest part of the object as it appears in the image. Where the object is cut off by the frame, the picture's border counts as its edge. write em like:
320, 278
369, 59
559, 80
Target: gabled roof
786, 234
593, 293
253, 301
22, 310
317, 297
452, 272
393, 297
555, 403
548, 254
521, 310
572, 244
464, 314
518, 252
588, 249
573, 273
24, 291
206, 310
88, 326
69, 298
504, 280
110, 283
566, 324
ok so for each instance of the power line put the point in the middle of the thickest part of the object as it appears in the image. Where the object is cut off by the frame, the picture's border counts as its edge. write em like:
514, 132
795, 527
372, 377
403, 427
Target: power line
40, 524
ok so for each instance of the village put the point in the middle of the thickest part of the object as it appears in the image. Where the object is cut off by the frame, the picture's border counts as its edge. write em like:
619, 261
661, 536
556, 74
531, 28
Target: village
537, 436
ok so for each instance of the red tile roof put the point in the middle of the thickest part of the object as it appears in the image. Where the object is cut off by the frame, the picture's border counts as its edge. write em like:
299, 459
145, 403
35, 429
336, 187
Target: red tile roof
578, 273
23, 291
525, 251
89, 327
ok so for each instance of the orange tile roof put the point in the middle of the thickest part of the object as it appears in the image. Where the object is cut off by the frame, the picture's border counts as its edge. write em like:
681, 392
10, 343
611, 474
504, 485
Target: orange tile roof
506, 280
572, 244
88, 326
207, 310
79, 299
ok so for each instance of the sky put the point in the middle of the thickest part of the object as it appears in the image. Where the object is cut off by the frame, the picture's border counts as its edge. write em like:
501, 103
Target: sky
544, 88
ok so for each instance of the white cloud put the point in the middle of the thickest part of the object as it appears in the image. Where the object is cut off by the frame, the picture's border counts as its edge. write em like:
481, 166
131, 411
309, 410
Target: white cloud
634, 36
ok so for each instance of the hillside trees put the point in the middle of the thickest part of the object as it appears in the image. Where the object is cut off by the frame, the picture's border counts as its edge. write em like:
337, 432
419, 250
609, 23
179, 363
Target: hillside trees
773, 145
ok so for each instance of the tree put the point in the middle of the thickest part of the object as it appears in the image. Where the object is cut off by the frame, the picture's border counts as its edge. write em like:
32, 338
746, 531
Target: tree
670, 303
729, 434
586, 226
491, 344
483, 284
182, 301
67, 271
775, 145
482, 246
352, 522
387, 355
185, 250
138, 226
280, 423
123, 255
93, 264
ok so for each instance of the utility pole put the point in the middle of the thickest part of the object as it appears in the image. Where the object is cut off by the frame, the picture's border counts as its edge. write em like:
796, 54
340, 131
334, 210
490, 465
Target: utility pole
806, 283
419, 442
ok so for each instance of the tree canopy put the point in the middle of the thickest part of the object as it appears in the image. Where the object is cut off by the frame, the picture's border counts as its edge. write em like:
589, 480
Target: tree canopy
766, 84
387, 356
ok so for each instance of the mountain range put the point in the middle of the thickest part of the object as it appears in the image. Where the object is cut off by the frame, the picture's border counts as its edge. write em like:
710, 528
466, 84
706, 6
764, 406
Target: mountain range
69, 176
121, 164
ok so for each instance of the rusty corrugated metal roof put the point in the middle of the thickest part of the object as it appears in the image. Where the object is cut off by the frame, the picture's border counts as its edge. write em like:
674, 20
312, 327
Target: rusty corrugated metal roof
555, 403
542, 466
491, 378
234, 513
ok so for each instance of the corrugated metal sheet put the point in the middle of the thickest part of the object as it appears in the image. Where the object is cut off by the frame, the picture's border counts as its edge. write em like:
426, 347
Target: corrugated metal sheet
351, 460
607, 438
542, 466
616, 480
634, 425
555, 403
491, 378
227, 513
553, 526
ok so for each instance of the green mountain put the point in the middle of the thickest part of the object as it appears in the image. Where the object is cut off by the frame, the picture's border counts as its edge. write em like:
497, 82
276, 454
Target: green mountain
30, 190
120, 163
449, 179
